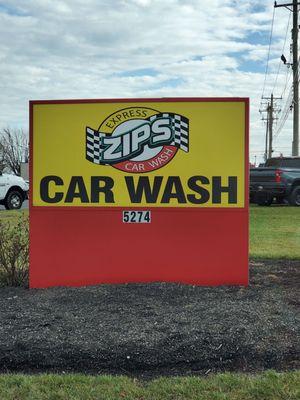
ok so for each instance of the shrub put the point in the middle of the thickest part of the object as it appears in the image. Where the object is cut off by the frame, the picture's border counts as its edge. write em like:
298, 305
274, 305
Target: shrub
14, 251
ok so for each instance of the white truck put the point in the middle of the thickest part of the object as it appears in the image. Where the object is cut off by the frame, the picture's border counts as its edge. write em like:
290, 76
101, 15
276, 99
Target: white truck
13, 191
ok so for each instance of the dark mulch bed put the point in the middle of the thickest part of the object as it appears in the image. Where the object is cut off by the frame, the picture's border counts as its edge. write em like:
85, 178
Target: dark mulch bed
154, 329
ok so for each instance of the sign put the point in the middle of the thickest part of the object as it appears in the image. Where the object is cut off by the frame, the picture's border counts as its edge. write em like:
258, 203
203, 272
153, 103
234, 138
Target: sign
139, 190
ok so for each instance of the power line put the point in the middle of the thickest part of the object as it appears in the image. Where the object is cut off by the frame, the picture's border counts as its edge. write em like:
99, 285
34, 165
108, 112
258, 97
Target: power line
282, 52
287, 106
292, 99
268, 57
283, 148
287, 77
285, 114
294, 10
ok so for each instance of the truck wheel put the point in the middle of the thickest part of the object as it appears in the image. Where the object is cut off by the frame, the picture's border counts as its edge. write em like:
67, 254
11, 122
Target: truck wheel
294, 198
262, 199
13, 200
265, 202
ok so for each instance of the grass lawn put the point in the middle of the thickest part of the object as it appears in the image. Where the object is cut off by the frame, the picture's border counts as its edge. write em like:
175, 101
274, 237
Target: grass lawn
11, 215
267, 385
274, 232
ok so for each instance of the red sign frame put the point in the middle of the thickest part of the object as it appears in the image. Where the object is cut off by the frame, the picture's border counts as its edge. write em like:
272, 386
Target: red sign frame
66, 247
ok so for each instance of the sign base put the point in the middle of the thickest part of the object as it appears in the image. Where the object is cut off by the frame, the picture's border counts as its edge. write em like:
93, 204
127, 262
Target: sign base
200, 247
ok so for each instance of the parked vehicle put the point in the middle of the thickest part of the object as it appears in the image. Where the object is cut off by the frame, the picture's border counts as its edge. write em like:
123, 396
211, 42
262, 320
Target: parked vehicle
278, 180
13, 191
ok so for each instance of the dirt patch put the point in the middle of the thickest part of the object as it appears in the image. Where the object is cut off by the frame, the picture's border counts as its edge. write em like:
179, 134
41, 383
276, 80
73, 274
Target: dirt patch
153, 329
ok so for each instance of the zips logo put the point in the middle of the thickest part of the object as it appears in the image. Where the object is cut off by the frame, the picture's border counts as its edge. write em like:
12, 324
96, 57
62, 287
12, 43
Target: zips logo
137, 139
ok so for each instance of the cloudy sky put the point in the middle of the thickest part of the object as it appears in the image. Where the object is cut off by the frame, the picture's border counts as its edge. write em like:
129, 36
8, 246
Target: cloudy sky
64, 49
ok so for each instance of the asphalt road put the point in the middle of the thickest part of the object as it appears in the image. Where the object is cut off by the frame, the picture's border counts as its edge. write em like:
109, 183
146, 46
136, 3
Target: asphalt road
25, 206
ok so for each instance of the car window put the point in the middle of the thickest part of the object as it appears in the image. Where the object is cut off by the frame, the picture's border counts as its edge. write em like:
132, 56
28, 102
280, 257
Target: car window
284, 162
273, 162
291, 163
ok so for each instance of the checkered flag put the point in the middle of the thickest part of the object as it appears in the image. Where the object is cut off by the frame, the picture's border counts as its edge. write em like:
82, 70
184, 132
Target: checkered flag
93, 145
180, 128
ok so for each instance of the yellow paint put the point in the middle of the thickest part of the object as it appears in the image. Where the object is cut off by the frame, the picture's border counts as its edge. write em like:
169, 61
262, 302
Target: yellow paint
216, 147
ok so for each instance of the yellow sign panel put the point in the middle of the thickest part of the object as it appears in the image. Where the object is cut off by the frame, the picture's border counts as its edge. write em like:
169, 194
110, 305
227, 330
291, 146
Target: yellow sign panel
139, 153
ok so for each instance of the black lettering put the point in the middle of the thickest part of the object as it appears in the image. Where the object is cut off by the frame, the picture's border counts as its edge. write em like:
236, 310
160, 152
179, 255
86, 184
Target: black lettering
193, 185
173, 182
141, 113
96, 189
143, 187
218, 189
113, 120
125, 115
44, 189
77, 189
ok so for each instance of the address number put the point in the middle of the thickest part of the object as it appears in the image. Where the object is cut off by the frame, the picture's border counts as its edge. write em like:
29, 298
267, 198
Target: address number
137, 217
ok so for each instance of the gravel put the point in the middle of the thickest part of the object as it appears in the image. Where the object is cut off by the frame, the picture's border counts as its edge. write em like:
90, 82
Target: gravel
148, 330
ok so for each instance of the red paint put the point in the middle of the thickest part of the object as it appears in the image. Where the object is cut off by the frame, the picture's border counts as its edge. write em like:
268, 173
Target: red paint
75, 246
146, 100
83, 247
278, 174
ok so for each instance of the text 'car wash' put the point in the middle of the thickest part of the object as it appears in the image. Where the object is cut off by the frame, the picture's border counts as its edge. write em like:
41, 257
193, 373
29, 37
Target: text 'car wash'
197, 189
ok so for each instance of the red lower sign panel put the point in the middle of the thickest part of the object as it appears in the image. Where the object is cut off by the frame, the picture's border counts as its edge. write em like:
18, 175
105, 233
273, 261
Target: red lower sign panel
84, 247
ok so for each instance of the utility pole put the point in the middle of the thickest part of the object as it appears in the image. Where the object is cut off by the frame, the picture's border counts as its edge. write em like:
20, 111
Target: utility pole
270, 109
295, 145
270, 120
267, 134
294, 5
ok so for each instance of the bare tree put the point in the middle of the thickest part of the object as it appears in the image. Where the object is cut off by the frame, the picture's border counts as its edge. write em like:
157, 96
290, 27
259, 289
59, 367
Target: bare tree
2, 166
14, 149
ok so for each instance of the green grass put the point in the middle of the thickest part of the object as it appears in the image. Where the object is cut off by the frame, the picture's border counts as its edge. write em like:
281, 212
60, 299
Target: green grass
264, 386
275, 232
11, 215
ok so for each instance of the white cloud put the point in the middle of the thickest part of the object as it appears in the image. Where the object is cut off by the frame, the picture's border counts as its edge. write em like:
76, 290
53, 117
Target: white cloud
81, 49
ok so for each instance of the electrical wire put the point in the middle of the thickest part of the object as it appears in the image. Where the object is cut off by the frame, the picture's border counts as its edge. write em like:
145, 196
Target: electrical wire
287, 77
287, 106
268, 57
285, 114
282, 52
